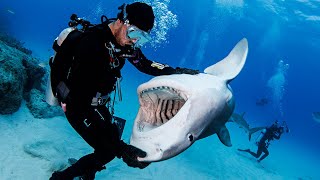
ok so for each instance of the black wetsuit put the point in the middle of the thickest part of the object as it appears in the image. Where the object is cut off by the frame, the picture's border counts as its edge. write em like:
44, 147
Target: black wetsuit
270, 134
92, 74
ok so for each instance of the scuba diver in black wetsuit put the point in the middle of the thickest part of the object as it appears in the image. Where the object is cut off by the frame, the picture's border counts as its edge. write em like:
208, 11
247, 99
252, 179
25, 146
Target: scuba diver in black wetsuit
83, 92
273, 132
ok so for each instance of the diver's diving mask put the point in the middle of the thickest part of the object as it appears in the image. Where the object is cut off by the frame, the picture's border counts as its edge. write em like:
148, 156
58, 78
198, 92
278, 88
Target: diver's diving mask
133, 32
141, 37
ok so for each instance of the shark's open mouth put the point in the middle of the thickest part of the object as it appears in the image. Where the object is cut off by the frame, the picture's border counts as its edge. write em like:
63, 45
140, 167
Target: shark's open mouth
158, 106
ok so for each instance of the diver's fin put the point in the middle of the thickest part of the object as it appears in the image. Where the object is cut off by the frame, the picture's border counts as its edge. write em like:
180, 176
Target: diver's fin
230, 66
253, 130
224, 136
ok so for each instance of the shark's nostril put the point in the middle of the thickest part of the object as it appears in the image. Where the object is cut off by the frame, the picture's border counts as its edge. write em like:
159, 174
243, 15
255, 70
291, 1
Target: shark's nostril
190, 137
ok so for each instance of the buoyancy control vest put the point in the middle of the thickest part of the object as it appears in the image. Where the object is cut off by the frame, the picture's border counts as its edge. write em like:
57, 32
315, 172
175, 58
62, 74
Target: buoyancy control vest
62, 61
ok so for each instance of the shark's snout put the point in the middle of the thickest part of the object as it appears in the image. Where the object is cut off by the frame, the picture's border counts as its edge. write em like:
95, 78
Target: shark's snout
161, 110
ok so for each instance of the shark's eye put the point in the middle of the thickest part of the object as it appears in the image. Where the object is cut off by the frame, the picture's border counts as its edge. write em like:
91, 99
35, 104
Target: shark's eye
190, 137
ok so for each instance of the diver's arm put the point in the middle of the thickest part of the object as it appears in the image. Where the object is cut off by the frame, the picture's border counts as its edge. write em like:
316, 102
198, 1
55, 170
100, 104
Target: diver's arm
154, 68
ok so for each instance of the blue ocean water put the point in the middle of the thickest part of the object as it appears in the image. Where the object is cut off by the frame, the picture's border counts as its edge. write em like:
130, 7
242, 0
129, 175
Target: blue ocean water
282, 65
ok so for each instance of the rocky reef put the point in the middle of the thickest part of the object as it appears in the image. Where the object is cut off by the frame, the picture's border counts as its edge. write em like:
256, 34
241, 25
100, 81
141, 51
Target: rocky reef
22, 78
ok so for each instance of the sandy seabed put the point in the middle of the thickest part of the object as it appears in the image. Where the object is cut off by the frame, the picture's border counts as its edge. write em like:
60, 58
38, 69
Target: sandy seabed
33, 148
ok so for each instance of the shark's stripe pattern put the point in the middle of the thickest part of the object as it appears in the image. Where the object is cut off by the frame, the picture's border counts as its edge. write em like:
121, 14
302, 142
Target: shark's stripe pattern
165, 103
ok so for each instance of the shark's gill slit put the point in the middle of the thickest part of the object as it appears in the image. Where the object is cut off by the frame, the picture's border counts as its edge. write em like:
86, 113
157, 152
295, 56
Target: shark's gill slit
159, 105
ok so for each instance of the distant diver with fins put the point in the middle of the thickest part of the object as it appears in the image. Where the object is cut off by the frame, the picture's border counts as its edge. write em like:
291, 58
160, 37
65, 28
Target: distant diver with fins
263, 141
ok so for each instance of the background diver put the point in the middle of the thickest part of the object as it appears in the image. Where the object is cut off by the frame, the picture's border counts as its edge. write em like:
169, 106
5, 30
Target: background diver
263, 141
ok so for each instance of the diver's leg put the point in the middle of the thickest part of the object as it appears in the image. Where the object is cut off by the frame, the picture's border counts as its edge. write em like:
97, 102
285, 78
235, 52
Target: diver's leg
96, 129
86, 166
266, 153
256, 155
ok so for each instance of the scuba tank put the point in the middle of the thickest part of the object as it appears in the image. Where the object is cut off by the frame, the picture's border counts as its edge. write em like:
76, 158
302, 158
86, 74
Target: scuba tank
50, 97
263, 132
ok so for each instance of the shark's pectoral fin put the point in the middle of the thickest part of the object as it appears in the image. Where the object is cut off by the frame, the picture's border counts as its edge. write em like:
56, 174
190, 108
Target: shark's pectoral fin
230, 66
224, 136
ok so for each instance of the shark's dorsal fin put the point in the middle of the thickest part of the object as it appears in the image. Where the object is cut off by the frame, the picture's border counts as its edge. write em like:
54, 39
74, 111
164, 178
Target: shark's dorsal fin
230, 66
224, 136
242, 115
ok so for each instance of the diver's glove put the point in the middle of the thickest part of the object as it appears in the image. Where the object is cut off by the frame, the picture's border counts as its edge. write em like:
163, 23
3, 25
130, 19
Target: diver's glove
186, 71
130, 154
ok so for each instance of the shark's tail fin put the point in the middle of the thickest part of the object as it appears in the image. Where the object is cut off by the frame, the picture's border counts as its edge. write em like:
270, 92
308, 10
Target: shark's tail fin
253, 130
230, 66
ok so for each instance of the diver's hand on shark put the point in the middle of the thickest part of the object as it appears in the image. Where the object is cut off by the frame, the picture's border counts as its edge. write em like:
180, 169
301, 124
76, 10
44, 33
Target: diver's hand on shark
130, 155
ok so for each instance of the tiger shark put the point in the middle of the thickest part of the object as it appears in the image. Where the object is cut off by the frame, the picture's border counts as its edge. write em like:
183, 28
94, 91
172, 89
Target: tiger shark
177, 110
242, 123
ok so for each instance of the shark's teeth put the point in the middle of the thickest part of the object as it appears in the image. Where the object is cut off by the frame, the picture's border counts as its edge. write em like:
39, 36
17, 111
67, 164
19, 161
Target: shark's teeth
177, 92
160, 104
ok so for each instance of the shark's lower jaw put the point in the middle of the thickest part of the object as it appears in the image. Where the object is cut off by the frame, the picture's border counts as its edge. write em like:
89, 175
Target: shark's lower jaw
158, 106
